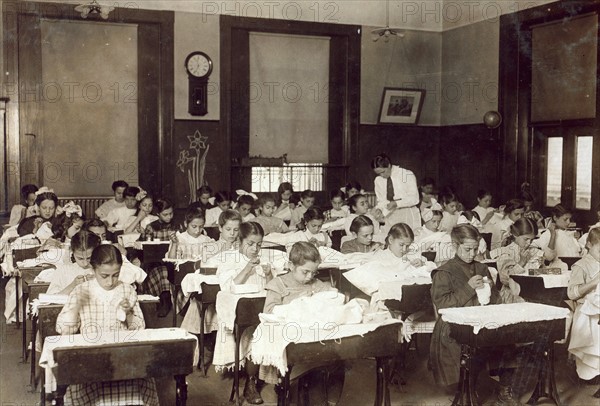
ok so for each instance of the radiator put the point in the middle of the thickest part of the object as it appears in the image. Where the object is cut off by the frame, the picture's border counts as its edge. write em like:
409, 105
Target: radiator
88, 204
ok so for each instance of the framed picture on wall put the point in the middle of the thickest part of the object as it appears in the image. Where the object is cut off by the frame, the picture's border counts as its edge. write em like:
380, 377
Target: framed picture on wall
401, 106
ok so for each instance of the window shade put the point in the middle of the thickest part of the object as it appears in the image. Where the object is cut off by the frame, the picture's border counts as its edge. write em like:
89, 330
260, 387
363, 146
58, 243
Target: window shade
564, 57
289, 113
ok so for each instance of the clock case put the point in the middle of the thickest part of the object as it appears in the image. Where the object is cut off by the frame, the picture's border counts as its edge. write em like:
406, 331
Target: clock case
197, 88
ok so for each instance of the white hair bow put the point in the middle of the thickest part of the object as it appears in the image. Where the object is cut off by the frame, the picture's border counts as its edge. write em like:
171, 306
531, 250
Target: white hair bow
69, 209
44, 189
242, 192
141, 195
211, 200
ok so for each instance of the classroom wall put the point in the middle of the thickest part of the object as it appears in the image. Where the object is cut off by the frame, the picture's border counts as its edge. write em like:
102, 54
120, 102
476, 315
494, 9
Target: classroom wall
414, 61
470, 61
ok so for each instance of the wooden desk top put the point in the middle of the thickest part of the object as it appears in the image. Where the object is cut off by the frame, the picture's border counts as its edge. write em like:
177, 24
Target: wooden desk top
137, 354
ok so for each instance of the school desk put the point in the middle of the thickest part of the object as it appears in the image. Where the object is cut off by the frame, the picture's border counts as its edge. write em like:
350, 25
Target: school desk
150, 353
477, 327
30, 288
381, 344
545, 289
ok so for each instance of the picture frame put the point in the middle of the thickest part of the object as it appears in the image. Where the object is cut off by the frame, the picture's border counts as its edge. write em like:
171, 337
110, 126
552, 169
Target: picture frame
401, 106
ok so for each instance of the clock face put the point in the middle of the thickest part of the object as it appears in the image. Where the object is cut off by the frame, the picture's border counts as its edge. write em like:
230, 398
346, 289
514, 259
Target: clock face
198, 64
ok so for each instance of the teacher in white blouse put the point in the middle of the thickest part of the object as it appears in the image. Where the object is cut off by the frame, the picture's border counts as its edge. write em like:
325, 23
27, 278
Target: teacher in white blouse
397, 193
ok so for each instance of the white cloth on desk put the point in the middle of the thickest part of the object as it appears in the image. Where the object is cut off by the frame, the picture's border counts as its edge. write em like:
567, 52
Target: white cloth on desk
331, 258
271, 339
393, 289
495, 316
82, 341
192, 282
368, 277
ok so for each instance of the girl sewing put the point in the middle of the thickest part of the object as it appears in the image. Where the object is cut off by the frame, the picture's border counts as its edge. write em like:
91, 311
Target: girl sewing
517, 256
269, 222
143, 215
46, 203
188, 244
101, 306
284, 193
585, 330
558, 241
222, 203
362, 231
309, 229
324, 384
242, 268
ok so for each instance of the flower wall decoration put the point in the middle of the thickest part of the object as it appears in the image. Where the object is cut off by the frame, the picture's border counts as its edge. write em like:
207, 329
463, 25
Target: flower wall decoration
197, 156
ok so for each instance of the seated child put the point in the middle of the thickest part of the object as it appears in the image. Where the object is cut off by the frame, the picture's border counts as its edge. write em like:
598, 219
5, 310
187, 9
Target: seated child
241, 268
399, 247
101, 306
352, 188
188, 244
484, 208
557, 241
245, 204
119, 218
455, 284
450, 213
324, 384
139, 222
362, 231
229, 232
19, 211
499, 224
528, 201
163, 228
585, 330
338, 207
65, 225
118, 188
309, 228
359, 205
46, 204
204, 194
284, 194
517, 256
307, 200
266, 219
222, 203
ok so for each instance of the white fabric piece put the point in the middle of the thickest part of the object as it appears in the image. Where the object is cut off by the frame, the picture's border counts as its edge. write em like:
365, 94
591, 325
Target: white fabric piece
192, 282
369, 276
496, 316
271, 339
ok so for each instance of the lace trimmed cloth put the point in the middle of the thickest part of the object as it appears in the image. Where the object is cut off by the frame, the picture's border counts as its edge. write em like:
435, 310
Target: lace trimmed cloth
317, 318
496, 316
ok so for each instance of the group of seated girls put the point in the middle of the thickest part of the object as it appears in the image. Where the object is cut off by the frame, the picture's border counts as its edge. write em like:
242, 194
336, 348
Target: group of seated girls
239, 260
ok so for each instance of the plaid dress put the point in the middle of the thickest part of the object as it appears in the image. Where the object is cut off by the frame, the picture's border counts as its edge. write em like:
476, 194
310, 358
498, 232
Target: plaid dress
97, 315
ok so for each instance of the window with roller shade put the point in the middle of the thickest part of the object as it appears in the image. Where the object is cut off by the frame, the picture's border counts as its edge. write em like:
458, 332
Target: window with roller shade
289, 112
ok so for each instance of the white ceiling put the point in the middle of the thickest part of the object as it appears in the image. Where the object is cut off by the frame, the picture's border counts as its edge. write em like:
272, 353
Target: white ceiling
427, 15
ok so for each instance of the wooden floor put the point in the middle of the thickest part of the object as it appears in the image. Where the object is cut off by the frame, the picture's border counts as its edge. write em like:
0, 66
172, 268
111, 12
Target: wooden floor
359, 388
